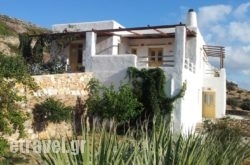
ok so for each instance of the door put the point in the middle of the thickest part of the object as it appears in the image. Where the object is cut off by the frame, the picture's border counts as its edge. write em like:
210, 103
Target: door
208, 104
155, 56
75, 58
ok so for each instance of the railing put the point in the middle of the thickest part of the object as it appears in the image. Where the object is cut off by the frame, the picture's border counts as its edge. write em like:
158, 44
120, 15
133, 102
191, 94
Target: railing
189, 65
163, 61
211, 70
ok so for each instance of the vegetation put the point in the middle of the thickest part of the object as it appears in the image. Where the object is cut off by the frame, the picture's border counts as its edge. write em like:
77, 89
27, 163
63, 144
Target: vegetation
237, 98
10, 28
231, 85
4, 146
233, 102
160, 146
4, 30
12, 72
141, 100
50, 110
34, 55
245, 105
149, 87
106, 102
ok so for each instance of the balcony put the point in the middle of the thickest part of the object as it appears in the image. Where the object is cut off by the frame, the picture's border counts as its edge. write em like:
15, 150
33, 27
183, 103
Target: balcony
156, 61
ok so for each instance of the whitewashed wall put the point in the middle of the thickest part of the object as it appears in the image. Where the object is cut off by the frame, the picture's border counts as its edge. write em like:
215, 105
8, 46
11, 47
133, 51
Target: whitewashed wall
219, 85
112, 69
86, 26
191, 113
104, 45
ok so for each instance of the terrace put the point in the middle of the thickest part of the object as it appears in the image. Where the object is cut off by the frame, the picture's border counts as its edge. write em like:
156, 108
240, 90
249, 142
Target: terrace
154, 46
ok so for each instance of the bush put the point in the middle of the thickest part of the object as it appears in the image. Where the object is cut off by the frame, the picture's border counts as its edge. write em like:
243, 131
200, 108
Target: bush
149, 87
233, 102
34, 57
13, 71
106, 102
54, 66
222, 130
5, 30
50, 110
245, 105
231, 86
4, 146
240, 91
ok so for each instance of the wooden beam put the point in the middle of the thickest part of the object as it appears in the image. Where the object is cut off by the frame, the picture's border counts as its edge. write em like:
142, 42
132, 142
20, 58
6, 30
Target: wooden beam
134, 32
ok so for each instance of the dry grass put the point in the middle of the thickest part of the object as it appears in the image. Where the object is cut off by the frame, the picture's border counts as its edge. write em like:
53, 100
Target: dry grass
237, 94
10, 28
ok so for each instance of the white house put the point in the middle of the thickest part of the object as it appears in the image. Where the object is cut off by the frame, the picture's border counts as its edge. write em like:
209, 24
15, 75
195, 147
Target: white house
107, 49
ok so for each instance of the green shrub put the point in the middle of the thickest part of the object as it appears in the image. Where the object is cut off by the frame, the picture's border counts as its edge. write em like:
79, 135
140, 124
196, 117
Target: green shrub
5, 30
233, 102
245, 105
34, 56
13, 71
106, 102
149, 87
4, 146
231, 86
50, 110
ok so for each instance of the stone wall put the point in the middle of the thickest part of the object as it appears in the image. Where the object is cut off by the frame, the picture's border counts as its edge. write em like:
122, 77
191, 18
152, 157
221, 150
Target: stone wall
238, 112
242, 125
63, 87
66, 87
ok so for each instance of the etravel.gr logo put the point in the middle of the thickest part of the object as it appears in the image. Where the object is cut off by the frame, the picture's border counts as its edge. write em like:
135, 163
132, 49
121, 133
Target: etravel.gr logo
45, 146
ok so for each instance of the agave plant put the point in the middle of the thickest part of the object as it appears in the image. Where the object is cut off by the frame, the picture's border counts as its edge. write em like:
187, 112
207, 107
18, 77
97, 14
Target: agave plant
155, 146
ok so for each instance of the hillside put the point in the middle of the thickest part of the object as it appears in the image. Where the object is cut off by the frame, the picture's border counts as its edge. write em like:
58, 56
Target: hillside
237, 98
9, 30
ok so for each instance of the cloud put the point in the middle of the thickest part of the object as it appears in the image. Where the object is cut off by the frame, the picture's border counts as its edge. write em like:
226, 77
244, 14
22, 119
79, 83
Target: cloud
230, 27
246, 72
238, 58
219, 31
241, 11
212, 14
237, 65
239, 31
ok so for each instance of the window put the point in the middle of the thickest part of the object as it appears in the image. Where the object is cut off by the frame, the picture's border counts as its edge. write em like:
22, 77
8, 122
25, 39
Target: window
155, 57
79, 54
134, 51
208, 99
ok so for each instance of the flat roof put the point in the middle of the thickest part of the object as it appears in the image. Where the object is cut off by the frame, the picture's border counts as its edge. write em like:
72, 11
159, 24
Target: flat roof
162, 31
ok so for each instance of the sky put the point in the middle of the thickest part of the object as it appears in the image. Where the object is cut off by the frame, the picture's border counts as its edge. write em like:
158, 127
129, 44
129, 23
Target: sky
221, 22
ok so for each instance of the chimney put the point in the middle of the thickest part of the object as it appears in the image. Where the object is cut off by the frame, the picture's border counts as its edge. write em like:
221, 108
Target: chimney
191, 18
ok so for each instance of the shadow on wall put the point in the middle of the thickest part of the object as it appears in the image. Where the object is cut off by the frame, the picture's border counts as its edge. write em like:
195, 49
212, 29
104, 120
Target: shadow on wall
115, 78
53, 112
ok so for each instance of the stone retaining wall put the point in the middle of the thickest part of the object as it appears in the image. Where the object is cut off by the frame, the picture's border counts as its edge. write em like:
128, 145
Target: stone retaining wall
64, 87
240, 124
238, 112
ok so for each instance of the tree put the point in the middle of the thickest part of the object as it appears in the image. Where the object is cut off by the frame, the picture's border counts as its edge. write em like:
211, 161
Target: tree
13, 71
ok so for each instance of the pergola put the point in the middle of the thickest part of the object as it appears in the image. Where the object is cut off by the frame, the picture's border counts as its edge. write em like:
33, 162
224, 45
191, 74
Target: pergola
215, 51
162, 31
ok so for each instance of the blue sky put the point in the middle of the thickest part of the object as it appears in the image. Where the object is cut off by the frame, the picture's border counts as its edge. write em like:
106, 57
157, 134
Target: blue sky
225, 23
